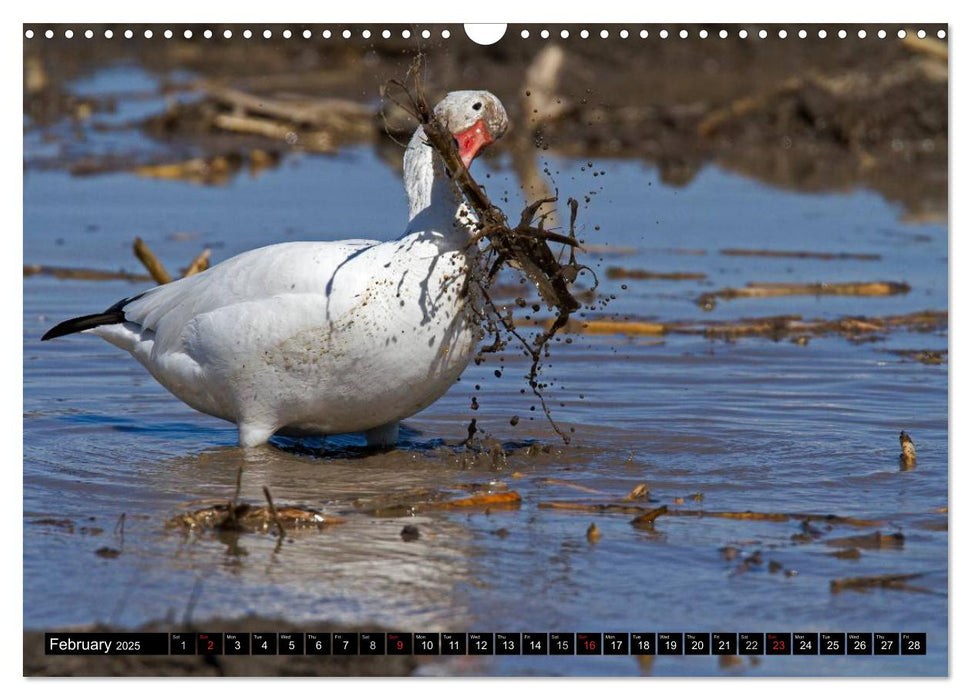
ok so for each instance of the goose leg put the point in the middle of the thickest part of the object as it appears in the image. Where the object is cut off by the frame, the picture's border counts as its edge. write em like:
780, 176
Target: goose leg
383, 436
254, 434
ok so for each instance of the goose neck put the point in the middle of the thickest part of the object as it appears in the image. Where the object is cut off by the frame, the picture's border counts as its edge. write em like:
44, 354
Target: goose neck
434, 202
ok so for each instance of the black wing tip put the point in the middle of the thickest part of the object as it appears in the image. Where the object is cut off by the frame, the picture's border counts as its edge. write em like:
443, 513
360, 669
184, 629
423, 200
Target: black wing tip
83, 323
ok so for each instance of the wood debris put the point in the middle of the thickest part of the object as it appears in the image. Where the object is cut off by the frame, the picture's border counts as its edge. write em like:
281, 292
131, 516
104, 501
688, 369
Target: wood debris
646, 520
244, 517
802, 254
781, 289
151, 262
779, 517
925, 357
618, 273
791, 326
157, 270
850, 553
876, 540
592, 507
504, 499
908, 453
315, 124
83, 273
863, 583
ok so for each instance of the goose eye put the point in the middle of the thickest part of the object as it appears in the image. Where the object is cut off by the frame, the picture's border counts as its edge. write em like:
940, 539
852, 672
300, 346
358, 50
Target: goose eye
477, 106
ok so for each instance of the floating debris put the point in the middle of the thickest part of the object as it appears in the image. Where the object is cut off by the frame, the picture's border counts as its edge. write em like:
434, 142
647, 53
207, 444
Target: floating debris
638, 493
59, 523
729, 552
609, 249
780, 517
646, 520
774, 327
410, 533
876, 540
926, 357
591, 507
199, 264
305, 123
506, 499
83, 273
850, 553
108, 552
151, 262
593, 533
214, 170
748, 252
611, 327
733, 515
621, 273
729, 661
784, 289
244, 517
908, 453
862, 583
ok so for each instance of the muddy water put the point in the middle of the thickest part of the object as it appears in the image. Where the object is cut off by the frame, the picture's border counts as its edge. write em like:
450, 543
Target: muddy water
751, 425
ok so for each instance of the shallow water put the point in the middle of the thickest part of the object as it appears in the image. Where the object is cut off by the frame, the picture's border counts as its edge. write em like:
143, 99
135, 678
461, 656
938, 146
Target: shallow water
752, 425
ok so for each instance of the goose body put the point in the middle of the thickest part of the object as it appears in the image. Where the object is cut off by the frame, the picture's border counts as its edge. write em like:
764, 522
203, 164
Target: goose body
324, 337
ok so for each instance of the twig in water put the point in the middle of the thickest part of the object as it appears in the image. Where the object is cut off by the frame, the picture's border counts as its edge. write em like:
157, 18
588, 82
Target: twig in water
275, 514
231, 515
199, 264
151, 262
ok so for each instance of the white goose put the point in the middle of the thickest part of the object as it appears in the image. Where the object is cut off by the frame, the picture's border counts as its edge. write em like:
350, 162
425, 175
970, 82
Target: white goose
324, 337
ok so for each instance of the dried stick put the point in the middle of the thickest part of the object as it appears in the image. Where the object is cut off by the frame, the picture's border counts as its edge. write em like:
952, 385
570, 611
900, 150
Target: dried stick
199, 264
154, 266
273, 511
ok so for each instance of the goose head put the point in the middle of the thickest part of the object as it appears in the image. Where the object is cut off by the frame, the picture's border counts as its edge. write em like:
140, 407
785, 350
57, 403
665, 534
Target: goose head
475, 118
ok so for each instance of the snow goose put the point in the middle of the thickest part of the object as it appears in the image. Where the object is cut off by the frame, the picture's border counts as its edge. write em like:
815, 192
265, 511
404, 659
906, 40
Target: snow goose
320, 338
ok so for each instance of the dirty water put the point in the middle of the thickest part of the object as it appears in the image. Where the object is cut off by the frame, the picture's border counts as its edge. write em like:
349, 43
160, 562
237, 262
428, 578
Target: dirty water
752, 424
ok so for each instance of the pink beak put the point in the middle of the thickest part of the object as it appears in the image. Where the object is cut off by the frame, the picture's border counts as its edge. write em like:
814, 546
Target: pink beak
472, 141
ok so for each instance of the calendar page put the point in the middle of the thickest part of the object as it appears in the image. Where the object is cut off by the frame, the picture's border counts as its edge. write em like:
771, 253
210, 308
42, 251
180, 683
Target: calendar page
508, 350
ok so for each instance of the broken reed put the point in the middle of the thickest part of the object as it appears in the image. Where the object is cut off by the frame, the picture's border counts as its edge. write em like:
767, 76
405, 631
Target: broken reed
524, 246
